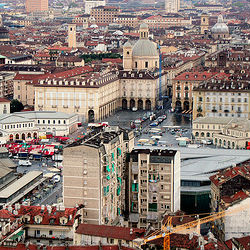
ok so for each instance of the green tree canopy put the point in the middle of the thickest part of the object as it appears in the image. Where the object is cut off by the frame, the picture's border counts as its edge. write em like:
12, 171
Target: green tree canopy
16, 106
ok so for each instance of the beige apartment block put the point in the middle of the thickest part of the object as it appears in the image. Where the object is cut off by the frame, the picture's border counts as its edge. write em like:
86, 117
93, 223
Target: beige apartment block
92, 98
218, 98
37, 5
93, 174
153, 186
183, 85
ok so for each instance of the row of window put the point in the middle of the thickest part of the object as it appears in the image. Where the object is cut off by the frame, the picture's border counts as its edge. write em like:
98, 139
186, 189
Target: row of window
24, 125
222, 100
51, 122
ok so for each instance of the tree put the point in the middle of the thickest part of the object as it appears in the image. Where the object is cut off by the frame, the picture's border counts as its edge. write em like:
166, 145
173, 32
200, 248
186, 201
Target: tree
16, 106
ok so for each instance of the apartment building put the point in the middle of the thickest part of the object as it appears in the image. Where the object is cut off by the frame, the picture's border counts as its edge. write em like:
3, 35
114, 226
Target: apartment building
90, 4
37, 5
104, 14
153, 186
172, 6
222, 98
166, 21
230, 193
183, 85
93, 174
6, 84
127, 20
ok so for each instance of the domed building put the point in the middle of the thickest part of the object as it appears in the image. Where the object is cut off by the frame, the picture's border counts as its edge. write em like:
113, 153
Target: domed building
144, 53
220, 29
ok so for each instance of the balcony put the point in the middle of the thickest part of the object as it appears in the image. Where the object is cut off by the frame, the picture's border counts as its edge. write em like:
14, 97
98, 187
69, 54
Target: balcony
226, 111
239, 111
214, 110
50, 237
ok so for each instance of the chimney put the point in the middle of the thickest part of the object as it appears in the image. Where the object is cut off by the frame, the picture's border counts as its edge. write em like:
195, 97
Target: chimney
42, 208
10, 208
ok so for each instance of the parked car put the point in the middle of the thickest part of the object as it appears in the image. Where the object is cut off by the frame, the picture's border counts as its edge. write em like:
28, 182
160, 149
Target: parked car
26, 163
153, 124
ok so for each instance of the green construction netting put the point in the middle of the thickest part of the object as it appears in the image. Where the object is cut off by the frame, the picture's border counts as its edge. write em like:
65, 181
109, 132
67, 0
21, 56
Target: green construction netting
118, 211
120, 180
113, 167
119, 151
134, 187
108, 177
107, 168
113, 156
20, 233
118, 190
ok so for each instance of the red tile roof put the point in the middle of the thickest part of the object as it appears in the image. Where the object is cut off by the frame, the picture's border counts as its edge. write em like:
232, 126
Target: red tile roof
194, 76
28, 77
32, 211
179, 218
60, 48
36, 247
91, 43
244, 241
185, 241
2, 99
241, 195
112, 60
229, 173
124, 233
5, 214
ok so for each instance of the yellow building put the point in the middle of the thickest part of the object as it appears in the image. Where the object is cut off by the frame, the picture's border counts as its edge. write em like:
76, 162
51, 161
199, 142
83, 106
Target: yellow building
221, 99
92, 98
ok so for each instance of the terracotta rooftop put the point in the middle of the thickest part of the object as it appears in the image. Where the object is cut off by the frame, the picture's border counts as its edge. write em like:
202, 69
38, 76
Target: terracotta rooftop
124, 233
2, 99
178, 218
38, 247
229, 173
47, 215
239, 196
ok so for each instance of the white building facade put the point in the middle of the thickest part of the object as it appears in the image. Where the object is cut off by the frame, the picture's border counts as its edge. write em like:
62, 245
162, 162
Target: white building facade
89, 4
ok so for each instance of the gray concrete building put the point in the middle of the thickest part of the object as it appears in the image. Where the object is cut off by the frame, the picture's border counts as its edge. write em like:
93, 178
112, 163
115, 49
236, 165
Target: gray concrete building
93, 174
153, 185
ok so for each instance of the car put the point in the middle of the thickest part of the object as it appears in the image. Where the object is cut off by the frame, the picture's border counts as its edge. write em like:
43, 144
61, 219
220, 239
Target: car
153, 124
134, 109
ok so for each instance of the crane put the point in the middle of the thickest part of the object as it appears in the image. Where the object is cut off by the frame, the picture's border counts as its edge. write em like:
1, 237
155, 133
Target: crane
167, 229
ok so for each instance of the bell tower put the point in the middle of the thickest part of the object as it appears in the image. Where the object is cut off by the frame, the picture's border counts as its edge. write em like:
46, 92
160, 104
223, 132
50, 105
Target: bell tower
127, 56
143, 31
204, 23
72, 35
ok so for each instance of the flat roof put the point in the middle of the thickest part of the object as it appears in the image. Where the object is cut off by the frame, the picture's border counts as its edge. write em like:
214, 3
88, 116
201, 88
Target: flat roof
17, 185
198, 164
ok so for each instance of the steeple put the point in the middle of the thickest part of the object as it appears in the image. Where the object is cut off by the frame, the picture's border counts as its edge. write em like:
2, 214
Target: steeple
143, 31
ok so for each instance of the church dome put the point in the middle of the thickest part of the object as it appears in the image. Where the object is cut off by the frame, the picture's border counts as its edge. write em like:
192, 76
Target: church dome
220, 27
143, 26
127, 44
144, 47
